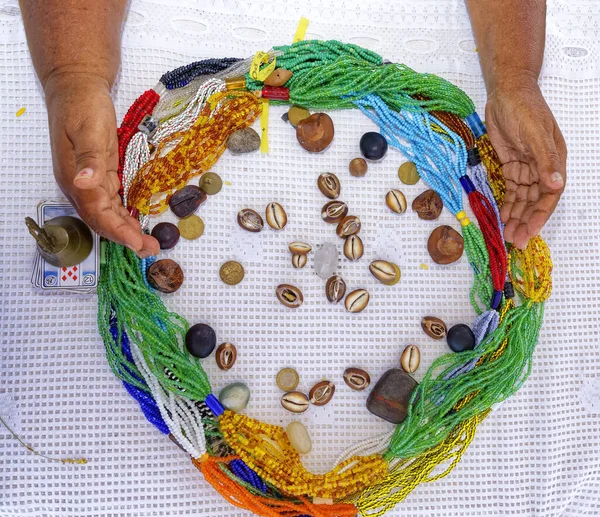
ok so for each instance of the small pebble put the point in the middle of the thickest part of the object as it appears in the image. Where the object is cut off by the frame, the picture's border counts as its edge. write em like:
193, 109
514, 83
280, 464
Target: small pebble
428, 205
299, 261
410, 359
396, 201
232, 272
211, 183
460, 338
250, 220
373, 146
186, 201
295, 401
321, 393
278, 77
390, 397
445, 245
167, 235
298, 437
353, 248
287, 379
357, 301
335, 289
326, 260
300, 248
244, 141
235, 396
289, 295
276, 216
200, 340
358, 167
226, 356
329, 185
357, 379
408, 174
165, 275
296, 114
315, 133
433, 327
191, 227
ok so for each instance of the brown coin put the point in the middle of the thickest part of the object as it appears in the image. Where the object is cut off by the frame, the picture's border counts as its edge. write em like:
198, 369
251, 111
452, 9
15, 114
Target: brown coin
296, 114
232, 272
191, 227
408, 173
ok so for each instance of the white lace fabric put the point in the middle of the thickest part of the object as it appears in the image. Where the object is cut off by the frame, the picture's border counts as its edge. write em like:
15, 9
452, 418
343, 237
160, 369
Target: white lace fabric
538, 454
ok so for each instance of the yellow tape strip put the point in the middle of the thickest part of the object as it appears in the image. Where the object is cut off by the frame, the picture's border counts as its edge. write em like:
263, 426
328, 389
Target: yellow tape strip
255, 70
264, 127
301, 30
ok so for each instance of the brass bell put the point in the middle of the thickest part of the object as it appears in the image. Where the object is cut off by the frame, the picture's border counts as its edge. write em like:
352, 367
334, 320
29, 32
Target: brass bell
63, 241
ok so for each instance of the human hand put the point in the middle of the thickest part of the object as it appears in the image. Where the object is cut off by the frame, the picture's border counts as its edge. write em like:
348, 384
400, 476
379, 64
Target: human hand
83, 136
533, 154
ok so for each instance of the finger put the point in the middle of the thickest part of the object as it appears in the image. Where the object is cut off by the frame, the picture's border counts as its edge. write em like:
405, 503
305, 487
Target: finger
150, 245
543, 209
550, 165
109, 224
521, 237
509, 229
91, 148
510, 197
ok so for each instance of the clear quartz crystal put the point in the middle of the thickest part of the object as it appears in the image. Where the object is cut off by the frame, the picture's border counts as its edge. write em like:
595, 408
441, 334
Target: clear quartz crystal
326, 260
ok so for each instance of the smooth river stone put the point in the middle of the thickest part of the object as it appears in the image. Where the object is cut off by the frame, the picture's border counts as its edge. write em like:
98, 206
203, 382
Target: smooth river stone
235, 396
390, 397
326, 260
298, 437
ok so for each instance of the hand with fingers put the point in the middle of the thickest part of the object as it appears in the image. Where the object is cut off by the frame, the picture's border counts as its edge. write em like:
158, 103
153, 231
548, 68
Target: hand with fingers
533, 154
83, 135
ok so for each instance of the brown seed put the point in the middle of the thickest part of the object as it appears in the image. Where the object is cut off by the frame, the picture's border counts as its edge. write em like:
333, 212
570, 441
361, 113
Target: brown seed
232, 272
165, 275
329, 185
278, 77
300, 248
289, 295
299, 261
334, 211
186, 201
428, 205
276, 216
386, 272
410, 359
408, 173
315, 133
396, 201
226, 355
250, 220
445, 245
357, 300
349, 225
433, 327
358, 167
335, 289
321, 393
357, 379
353, 247
295, 401
296, 114
287, 379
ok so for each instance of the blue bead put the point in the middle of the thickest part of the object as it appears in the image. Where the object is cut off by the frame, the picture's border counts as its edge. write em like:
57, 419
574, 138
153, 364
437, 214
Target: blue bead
214, 405
476, 125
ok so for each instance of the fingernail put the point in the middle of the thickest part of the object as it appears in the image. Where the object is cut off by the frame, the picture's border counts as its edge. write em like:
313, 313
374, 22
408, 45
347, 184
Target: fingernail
84, 174
557, 179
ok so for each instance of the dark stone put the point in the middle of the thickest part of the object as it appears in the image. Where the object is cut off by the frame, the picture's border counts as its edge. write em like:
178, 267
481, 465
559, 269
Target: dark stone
200, 340
460, 338
373, 146
167, 235
390, 397
187, 200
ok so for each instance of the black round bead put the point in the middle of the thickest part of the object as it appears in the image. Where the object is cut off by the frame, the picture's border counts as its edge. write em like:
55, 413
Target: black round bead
200, 340
460, 338
167, 235
373, 146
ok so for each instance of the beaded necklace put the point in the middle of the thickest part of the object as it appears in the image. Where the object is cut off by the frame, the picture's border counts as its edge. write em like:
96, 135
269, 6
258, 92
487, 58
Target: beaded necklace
251, 463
